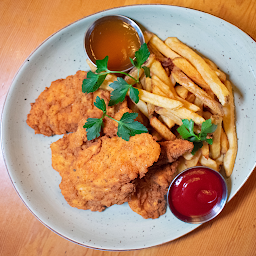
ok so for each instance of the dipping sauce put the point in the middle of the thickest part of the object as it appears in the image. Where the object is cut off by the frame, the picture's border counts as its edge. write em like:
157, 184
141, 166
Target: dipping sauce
116, 39
195, 192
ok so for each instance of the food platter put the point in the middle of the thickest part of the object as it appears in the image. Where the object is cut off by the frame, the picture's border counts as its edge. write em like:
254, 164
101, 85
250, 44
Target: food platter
28, 157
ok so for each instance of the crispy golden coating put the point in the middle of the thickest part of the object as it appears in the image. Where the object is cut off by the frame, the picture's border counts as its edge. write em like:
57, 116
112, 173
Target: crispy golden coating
99, 173
149, 199
172, 150
59, 108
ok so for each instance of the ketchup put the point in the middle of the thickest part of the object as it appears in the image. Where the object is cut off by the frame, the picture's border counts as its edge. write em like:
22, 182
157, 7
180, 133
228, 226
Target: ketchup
117, 40
195, 192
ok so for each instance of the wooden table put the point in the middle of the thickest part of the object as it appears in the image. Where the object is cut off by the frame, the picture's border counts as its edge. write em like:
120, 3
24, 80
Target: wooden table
24, 24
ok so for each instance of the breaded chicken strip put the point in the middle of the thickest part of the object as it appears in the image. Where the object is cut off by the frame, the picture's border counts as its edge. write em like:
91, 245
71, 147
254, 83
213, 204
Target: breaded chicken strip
59, 108
172, 150
99, 173
149, 199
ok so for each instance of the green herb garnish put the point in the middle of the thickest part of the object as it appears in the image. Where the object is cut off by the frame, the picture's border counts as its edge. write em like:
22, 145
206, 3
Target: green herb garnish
186, 130
127, 127
121, 87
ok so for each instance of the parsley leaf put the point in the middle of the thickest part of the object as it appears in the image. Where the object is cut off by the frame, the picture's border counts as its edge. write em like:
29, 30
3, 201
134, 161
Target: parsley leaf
121, 88
92, 82
127, 127
102, 65
186, 130
100, 104
141, 56
93, 127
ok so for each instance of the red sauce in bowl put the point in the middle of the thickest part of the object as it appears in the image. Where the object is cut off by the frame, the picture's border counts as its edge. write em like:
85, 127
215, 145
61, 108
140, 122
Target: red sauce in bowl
195, 192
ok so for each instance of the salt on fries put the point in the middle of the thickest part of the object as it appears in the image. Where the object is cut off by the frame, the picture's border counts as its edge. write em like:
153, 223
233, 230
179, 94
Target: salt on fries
192, 88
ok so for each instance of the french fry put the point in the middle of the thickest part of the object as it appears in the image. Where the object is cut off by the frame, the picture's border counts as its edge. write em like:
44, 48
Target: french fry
181, 91
162, 86
168, 121
207, 115
198, 102
147, 36
188, 156
157, 69
216, 146
209, 163
159, 100
182, 113
110, 78
148, 84
222, 76
202, 67
156, 90
91, 66
205, 150
194, 160
162, 129
230, 130
182, 79
190, 71
156, 135
151, 109
191, 97
223, 142
181, 166
159, 56
135, 109
166, 89
167, 113
143, 108
163, 48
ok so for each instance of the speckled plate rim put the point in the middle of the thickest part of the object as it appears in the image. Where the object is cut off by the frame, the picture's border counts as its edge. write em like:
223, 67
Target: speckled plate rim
8, 165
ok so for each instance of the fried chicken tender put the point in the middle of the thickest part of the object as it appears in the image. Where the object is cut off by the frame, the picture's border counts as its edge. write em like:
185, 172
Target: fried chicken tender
149, 199
59, 108
97, 174
172, 150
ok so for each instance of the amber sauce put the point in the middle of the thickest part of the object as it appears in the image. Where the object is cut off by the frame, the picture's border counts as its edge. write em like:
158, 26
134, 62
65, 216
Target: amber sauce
117, 40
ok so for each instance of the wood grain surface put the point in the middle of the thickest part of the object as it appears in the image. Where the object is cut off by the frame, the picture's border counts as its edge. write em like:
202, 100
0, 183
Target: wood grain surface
24, 25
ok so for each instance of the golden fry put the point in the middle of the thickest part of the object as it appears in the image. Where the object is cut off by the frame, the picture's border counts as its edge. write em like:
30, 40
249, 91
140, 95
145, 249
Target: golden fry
159, 100
205, 150
182, 79
181, 91
202, 67
194, 160
169, 114
216, 146
163, 48
162, 129
223, 142
157, 69
209, 163
190, 71
230, 130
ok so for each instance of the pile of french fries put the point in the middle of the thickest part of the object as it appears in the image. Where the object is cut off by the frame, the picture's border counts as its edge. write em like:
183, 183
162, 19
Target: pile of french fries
184, 85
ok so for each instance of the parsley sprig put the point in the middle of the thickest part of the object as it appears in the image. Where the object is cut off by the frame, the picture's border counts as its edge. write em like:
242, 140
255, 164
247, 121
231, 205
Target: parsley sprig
121, 87
186, 130
127, 127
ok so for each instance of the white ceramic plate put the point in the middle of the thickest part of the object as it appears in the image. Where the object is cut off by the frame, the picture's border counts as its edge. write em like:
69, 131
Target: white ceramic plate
28, 156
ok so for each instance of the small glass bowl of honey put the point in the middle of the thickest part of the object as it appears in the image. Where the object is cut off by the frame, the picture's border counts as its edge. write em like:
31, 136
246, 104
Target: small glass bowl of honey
115, 36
